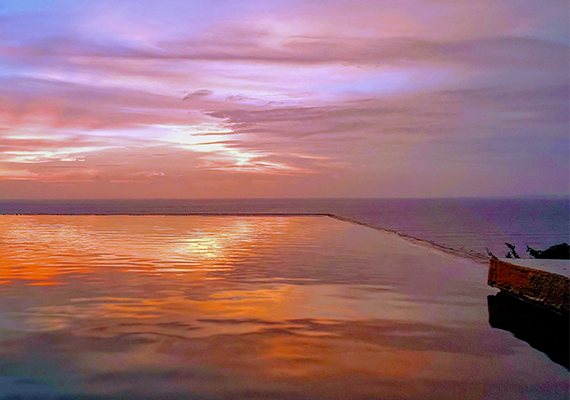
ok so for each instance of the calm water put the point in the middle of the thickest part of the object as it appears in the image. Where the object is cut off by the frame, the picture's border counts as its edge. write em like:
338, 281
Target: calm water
468, 226
249, 307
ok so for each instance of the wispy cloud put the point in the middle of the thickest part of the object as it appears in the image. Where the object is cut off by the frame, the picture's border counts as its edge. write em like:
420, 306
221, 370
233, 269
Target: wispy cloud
285, 97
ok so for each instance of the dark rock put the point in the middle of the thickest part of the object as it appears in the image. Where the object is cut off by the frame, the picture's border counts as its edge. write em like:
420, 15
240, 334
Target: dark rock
557, 252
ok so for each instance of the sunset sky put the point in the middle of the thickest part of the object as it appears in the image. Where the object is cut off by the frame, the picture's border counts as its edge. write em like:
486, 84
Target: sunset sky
291, 98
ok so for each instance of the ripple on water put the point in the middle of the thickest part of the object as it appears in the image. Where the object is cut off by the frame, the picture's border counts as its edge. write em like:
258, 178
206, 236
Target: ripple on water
248, 307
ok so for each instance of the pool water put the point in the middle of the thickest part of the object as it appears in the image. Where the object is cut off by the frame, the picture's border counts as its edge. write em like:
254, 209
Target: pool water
252, 307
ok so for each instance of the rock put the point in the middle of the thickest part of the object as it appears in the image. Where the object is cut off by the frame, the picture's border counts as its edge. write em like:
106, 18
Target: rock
557, 252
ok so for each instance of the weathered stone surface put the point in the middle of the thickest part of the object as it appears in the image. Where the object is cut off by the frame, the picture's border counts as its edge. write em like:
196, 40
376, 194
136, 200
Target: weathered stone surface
537, 280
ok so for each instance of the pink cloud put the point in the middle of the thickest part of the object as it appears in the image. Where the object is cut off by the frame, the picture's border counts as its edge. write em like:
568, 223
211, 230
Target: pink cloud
285, 97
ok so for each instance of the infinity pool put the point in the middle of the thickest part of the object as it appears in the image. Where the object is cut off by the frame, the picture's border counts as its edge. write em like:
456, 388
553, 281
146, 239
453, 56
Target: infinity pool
252, 307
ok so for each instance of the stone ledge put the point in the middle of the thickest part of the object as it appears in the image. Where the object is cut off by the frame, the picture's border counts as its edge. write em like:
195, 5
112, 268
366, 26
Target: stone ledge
540, 281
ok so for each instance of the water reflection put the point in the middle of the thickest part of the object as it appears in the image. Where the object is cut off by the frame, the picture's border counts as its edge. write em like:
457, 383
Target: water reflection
545, 330
43, 247
247, 307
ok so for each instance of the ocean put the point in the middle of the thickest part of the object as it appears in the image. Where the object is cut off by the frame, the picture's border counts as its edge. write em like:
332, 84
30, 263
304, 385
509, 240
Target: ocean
467, 227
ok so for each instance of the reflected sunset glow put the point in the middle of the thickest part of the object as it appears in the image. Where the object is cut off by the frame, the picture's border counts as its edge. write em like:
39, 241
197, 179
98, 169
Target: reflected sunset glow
145, 247
294, 306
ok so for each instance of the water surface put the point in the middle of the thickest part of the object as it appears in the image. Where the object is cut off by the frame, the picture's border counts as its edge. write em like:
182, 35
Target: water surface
248, 307
469, 226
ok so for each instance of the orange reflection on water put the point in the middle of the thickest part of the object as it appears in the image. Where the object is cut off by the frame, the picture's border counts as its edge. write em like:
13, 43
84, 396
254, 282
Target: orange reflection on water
310, 357
258, 307
40, 248
36, 267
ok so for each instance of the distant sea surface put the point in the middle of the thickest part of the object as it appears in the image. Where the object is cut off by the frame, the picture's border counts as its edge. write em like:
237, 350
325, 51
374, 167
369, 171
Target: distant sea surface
467, 226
